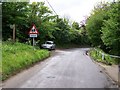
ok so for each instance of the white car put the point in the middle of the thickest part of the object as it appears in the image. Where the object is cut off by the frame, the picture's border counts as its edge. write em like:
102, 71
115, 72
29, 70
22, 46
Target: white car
48, 45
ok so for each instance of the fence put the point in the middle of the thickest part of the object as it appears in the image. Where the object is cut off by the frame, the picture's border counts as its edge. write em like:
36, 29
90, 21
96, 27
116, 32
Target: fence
103, 55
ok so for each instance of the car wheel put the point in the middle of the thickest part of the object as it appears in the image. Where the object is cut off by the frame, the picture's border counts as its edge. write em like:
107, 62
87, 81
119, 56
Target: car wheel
49, 49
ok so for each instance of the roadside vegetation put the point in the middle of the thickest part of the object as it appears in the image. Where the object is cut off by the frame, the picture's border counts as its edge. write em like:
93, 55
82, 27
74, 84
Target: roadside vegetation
50, 26
100, 56
18, 56
101, 29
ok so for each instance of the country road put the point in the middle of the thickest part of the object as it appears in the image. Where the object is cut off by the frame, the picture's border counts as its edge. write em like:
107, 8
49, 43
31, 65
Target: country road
70, 68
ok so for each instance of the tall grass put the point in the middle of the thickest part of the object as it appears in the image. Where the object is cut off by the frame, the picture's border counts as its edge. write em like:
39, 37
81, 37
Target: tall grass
18, 56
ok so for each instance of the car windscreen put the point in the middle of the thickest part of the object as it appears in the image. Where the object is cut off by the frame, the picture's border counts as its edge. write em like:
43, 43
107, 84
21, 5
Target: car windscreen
49, 42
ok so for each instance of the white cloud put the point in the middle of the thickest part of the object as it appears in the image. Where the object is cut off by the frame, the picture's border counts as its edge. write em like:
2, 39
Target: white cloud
75, 9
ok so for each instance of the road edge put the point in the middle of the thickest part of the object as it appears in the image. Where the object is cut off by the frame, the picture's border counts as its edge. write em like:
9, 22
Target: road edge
114, 82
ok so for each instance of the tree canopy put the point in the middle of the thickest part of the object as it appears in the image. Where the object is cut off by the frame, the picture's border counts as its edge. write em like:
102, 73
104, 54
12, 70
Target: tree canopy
50, 26
103, 27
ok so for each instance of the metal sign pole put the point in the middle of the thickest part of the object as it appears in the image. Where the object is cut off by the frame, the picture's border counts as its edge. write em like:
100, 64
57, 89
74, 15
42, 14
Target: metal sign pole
33, 41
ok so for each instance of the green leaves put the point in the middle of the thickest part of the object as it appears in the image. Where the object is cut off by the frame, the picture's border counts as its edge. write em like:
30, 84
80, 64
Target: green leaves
93, 27
111, 29
50, 26
75, 25
103, 27
13, 13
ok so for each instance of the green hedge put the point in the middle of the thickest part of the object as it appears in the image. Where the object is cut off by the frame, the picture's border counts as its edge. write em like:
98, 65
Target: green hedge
97, 56
18, 56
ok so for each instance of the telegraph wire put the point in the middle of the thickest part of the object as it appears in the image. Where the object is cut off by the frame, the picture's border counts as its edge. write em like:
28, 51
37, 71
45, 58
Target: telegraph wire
51, 7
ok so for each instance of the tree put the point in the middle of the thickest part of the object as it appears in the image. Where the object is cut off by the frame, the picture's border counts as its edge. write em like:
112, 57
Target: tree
50, 26
42, 17
75, 25
62, 31
12, 13
23, 15
0, 21
111, 29
94, 24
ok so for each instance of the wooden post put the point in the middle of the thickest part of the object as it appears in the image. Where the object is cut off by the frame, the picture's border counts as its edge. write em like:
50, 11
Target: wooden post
13, 32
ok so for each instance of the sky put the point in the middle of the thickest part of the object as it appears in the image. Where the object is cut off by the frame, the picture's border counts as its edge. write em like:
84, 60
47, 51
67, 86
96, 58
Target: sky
75, 10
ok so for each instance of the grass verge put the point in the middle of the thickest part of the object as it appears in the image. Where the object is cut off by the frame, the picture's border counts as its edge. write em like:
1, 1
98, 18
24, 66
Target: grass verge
107, 59
18, 56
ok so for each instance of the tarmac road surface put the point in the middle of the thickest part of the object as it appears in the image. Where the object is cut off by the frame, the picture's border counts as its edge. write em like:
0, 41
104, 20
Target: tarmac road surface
70, 68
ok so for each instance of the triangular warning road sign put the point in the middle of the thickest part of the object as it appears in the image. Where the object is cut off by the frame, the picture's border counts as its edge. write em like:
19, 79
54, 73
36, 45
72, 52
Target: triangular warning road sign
33, 30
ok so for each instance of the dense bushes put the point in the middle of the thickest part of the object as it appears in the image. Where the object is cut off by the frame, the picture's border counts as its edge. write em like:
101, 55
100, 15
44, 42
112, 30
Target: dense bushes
18, 56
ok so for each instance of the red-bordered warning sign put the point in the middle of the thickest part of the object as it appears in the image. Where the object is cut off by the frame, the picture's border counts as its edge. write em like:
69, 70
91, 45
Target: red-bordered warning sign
33, 30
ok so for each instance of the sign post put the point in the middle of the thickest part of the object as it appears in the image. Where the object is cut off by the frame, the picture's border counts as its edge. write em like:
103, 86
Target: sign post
33, 42
33, 33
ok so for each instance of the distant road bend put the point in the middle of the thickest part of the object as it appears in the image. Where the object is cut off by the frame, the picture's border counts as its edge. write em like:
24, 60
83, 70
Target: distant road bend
70, 68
